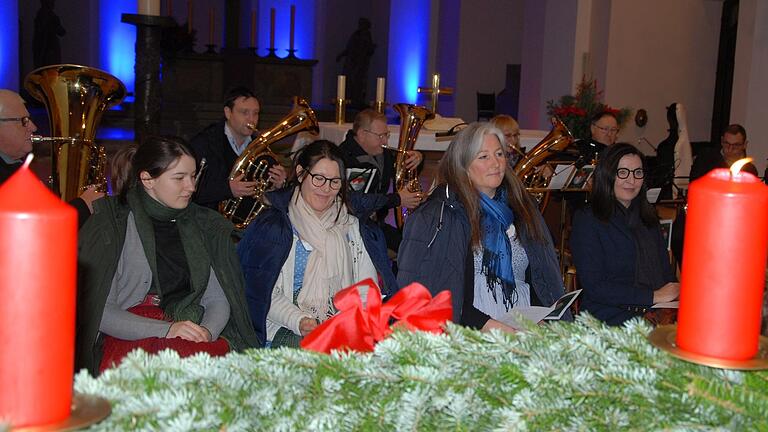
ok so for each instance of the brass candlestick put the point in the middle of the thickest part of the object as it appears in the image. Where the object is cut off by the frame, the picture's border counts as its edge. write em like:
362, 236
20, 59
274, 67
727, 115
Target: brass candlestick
379, 106
341, 107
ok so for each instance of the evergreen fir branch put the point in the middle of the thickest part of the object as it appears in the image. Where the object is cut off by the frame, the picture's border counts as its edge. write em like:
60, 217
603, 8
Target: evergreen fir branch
572, 376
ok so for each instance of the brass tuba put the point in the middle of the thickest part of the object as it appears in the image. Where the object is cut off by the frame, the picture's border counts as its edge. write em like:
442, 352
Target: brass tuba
412, 117
75, 98
557, 140
258, 158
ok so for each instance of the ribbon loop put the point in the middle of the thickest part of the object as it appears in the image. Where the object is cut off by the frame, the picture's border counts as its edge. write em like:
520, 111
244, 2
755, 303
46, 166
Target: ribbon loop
359, 328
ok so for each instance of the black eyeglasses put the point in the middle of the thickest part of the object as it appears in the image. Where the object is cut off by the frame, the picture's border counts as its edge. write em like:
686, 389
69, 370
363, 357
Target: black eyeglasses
623, 173
383, 135
319, 180
24, 120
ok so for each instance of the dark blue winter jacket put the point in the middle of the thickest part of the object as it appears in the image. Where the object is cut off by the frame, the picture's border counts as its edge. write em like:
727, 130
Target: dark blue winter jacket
436, 252
268, 240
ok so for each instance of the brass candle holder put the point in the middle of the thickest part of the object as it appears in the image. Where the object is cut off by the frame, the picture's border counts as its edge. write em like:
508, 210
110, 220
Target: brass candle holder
341, 107
379, 106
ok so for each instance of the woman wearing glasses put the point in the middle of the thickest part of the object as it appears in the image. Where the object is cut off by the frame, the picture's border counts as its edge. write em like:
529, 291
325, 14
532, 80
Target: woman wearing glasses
316, 239
618, 248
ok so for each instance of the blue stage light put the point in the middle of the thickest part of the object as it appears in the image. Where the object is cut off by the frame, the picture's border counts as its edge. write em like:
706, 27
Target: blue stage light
304, 33
9, 44
117, 40
408, 56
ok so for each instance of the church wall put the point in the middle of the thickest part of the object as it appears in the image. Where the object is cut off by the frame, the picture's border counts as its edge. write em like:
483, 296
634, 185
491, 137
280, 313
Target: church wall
78, 18
491, 36
340, 21
661, 52
548, 58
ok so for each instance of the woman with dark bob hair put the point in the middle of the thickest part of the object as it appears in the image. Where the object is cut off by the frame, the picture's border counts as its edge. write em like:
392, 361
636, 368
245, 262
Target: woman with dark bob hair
617, 245
157, 271
315, 239
480, 235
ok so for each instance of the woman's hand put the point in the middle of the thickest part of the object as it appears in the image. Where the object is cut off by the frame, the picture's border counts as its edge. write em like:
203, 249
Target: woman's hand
306, 325
190, 331
493, 324
667, 293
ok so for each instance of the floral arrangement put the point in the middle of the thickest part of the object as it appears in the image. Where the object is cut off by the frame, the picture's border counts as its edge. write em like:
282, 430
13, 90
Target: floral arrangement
560, 376
576, 111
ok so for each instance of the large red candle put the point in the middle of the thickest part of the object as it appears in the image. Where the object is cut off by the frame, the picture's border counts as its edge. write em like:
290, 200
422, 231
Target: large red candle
37, 311
724, 258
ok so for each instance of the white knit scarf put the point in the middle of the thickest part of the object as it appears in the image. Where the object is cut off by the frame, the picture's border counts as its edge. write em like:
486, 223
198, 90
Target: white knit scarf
329, 266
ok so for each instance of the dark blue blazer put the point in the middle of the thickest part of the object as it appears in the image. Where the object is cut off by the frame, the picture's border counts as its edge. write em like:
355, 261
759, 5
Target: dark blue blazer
268, 240
605, 255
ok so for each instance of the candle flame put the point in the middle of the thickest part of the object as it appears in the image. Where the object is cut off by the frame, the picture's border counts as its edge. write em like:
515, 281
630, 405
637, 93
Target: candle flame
28, 160
739, 164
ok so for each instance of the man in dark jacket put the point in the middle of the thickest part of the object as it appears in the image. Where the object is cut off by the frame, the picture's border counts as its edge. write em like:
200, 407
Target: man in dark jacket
221, 143
733, 147
16, 129
364, 147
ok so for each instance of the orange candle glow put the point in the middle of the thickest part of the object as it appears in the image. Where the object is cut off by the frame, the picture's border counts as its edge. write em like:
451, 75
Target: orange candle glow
723, 277
37, 311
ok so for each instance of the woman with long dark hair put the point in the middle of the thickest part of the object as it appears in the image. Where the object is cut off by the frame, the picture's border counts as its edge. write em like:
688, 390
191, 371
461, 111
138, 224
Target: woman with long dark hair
158, 271
315, 239
619, 251
480, 235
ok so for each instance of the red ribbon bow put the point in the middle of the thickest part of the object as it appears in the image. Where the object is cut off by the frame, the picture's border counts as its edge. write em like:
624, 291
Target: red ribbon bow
359, 328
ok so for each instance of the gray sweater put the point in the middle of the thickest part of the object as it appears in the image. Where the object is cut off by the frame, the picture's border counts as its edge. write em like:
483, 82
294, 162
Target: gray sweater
130, 285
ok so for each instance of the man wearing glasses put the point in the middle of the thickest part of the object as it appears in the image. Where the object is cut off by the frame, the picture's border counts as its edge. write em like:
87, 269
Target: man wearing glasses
364, 147
16, 129
604, 129
733, 146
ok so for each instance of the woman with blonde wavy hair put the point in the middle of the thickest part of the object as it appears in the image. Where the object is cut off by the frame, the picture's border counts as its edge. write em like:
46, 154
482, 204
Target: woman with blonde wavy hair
480, 235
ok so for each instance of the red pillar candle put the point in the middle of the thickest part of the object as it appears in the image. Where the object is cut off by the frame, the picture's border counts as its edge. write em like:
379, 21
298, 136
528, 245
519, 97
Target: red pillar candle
293, 25
37, 312
723, 276
272, 28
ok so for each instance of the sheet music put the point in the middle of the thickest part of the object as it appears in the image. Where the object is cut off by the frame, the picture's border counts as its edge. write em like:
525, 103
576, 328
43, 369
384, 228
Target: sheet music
561, 176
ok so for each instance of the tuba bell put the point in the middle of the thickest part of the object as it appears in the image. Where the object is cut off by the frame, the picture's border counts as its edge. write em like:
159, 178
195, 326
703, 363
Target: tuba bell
75, 98
258, 158
412, 117
557, 140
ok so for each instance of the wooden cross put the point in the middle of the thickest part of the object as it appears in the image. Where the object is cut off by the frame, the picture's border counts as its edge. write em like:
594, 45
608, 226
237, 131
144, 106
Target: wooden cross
435, 91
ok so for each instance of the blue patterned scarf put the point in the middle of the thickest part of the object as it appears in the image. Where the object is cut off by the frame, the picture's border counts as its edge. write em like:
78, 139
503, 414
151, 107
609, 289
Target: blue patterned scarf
496, 218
